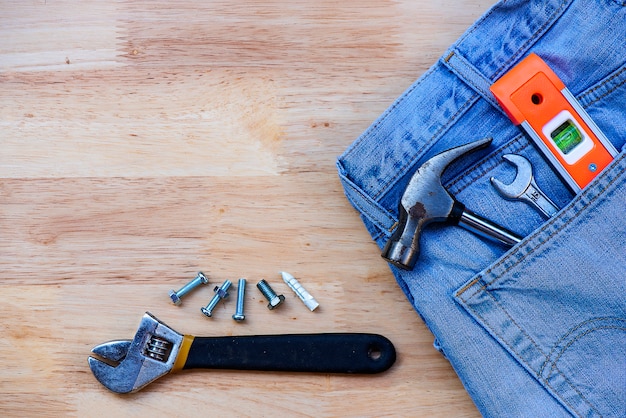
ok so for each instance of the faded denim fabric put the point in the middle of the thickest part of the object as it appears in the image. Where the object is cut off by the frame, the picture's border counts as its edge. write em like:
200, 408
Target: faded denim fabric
538, 330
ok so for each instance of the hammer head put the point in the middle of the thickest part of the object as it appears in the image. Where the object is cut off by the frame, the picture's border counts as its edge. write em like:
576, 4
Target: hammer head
425, 200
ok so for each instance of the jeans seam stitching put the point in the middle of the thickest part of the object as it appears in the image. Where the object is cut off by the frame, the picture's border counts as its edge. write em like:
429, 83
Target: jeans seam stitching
521, 359
556, 370
505, 342
570, 332
574, 388
472, 169
389, 111
368, 213
611, 90
530, 40
469, 67
400, 172
561, 352
500, 336
422, 79
461, 109
605, 81
476, 25
540, 245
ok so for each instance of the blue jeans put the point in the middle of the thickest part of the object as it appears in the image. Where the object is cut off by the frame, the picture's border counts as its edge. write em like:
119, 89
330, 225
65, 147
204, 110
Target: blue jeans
536, 330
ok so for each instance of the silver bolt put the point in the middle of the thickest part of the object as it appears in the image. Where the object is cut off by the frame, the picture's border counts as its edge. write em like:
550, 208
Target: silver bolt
241, 291
220, 293
177, 296
274, 299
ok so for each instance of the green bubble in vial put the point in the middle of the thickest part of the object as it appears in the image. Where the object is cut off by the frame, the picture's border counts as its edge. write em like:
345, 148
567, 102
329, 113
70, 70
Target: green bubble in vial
567, 136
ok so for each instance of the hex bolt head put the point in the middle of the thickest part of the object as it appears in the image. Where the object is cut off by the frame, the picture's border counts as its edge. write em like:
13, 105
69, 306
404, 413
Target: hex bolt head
176, 296
271, 296
275, 302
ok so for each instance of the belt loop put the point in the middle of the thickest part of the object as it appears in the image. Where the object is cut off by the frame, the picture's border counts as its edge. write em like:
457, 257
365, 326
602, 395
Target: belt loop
468, 73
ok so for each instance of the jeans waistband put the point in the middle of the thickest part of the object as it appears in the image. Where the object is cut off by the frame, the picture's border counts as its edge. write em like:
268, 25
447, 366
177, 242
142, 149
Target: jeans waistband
479, 63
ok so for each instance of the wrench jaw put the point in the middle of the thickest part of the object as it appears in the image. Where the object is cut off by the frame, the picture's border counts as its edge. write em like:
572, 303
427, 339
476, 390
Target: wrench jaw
124, 366
522, 179
524, 187
112, 352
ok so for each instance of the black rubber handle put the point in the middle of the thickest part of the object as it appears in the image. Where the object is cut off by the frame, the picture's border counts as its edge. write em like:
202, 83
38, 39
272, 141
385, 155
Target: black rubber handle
319, 353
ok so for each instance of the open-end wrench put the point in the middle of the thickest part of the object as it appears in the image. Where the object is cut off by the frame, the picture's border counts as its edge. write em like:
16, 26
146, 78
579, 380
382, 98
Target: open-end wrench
125, 366
524, 187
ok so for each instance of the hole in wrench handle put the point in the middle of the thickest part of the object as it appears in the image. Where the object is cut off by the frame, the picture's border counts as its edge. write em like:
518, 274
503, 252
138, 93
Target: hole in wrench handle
315, 353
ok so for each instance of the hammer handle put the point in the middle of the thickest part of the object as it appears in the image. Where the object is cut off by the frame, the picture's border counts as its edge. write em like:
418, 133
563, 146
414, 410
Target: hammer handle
486, 228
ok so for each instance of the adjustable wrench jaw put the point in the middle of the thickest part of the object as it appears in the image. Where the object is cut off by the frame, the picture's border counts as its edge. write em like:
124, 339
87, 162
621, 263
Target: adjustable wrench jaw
113, 352
126, 366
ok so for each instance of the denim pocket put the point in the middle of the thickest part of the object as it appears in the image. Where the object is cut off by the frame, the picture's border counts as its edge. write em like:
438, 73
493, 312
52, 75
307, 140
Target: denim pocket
556, 302
541, 331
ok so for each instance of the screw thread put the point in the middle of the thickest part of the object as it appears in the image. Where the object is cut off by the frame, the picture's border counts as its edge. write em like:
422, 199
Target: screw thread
220, 293
266, 290
271, 296
241, 290
199, 279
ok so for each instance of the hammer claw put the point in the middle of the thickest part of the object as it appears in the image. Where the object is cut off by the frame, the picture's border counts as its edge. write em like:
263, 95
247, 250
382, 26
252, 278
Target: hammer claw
438, 164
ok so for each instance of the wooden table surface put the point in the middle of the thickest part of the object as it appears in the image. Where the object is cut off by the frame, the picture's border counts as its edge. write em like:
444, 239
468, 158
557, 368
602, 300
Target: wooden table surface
142, 142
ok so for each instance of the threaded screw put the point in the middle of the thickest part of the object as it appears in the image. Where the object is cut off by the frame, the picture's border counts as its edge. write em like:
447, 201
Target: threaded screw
241, 291
176, 296
220, 293
274, 299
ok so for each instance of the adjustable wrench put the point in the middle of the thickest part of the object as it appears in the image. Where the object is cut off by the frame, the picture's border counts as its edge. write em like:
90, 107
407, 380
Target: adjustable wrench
125, 366
524, 187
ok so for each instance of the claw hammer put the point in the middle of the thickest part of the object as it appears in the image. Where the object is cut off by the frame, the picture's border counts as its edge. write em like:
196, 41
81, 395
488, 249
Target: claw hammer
425, 200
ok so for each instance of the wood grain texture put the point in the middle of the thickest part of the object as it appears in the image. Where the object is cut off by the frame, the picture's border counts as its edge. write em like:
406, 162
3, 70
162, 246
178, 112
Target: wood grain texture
143, 141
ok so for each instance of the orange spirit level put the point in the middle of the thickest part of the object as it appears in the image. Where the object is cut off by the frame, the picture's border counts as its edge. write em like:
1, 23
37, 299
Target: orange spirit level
535, 98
